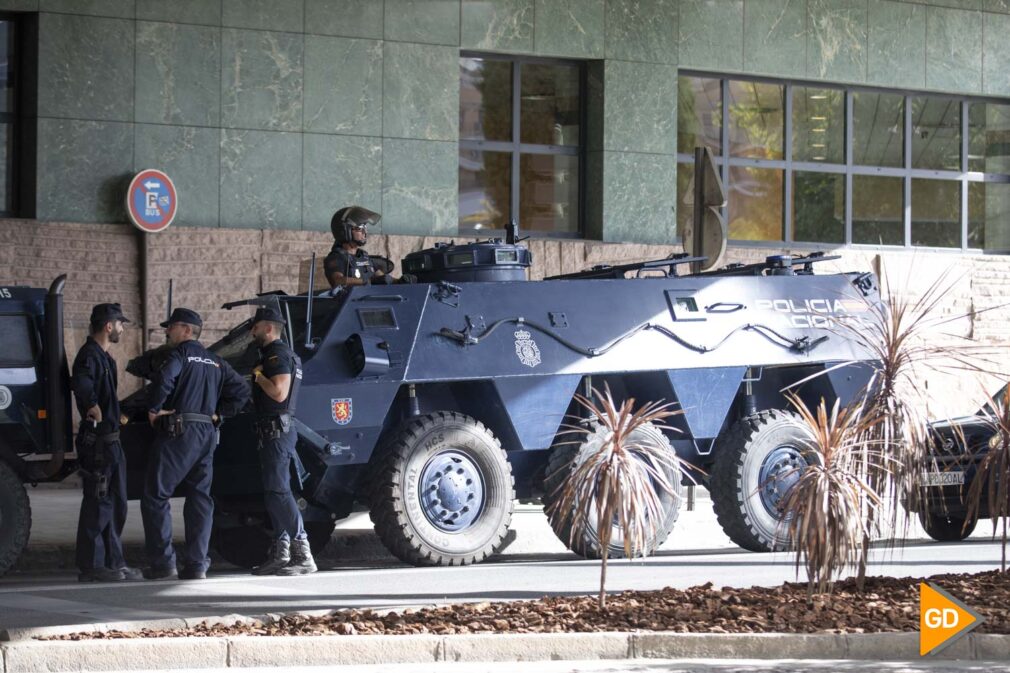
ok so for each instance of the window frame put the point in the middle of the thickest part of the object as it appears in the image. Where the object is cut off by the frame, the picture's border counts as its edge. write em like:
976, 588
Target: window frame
849, 169
516, 148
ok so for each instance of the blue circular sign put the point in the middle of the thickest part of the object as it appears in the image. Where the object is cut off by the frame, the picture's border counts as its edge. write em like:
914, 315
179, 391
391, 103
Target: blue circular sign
151, 201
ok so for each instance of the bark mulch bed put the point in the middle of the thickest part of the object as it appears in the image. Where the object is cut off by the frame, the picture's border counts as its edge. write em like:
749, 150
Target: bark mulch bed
887, 604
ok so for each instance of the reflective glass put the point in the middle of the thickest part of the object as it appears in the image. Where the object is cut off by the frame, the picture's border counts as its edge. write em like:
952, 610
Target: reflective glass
818, 207
756, 119
485, 99
877, 210
936, 213
936, 133
699, 114
819, 125
989, 138
878, 129
989, 215
549, 192
485, 183
549, 108
755, 203
6, 66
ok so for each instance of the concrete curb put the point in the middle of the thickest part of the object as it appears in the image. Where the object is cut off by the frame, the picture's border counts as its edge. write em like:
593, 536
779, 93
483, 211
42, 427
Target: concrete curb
285, 651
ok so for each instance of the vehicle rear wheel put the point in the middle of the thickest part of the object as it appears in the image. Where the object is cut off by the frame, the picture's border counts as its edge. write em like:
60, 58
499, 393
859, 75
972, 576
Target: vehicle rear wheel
15, 518
246, 546
946, 527
756, 464
441, 491
566, 458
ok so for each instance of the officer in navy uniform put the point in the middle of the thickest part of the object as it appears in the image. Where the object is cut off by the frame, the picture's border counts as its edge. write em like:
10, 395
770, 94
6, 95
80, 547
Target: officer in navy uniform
190, 394
99, 453
276, 380
348, 264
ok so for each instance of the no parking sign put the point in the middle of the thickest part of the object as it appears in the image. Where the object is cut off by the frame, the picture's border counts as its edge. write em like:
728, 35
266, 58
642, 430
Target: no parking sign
151, 201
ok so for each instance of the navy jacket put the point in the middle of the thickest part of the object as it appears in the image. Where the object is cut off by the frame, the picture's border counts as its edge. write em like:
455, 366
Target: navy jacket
195, 381
95, 382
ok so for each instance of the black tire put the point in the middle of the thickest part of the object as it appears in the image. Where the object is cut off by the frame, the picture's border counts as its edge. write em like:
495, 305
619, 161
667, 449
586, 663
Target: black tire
736, 481
15, 518
247, 546
946, 527
565, 458
414, 453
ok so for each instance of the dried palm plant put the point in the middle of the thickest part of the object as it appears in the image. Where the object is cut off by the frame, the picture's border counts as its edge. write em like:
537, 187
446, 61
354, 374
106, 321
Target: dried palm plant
825, 509
619, 480
992, 476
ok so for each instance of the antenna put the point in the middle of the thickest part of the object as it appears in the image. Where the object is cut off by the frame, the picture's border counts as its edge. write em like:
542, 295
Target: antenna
308, 307
168, 311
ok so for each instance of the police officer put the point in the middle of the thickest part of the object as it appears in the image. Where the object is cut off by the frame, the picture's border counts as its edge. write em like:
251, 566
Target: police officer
348, 264
190, 393
99, 453
276, 380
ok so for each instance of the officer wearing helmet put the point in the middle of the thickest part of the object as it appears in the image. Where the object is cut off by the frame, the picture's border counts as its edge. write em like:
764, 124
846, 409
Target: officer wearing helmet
348, 263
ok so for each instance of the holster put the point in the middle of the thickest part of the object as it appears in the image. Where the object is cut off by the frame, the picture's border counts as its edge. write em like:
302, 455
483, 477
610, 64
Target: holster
272, 427
92, 453
174, 425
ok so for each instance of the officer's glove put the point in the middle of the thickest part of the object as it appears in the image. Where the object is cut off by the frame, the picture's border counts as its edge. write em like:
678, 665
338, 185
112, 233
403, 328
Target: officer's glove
384, 279
408, 278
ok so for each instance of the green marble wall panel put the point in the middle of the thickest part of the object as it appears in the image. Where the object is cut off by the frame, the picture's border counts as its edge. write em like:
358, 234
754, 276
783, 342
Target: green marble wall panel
569, 28
345, 18
640, 107
19, 5
191, 156
593, 218
836, 45
261, 179
897, 44
429, 21
996, 6
639, 198
498, 25
419, 187
711, 34
775, 37
86, 67
642, 30
178, 74
339, 171
206, 12
84, 169
286, 15
953, 56
956, 4
343, 85
261, 83
420, 91
123, 9
996, 74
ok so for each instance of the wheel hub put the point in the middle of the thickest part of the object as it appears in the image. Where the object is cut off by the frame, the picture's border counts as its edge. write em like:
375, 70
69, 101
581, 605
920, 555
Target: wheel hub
780, 470
451, 491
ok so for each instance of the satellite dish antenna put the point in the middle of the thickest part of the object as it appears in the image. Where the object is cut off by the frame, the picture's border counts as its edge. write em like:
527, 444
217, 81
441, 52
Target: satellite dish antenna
704, 235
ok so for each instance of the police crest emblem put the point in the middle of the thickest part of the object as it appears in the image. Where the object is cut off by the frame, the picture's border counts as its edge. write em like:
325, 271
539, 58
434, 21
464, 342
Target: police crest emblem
342, 409
526, 349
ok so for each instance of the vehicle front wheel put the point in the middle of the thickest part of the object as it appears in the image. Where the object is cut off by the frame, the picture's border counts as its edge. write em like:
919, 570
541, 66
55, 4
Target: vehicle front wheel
15, 518
946, 527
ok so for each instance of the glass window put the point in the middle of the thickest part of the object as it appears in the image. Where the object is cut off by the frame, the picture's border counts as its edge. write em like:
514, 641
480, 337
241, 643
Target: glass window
936, 213
818, 207
485, 188
699, 114
18, 337
878, 129
8, 117
989, 138
936, 133
989, 215
685, 196
550, 104
756, 119
548, 192
877, 210
755, 203
485, 93
819, 125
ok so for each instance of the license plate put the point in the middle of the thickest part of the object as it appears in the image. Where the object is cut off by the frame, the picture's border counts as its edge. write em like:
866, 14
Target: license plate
952, 478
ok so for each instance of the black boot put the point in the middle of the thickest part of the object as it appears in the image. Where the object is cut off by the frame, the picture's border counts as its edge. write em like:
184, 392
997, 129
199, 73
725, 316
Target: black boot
278, 557
301, 559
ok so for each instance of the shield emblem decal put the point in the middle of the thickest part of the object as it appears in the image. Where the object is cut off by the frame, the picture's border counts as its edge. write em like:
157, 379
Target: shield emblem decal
342, 409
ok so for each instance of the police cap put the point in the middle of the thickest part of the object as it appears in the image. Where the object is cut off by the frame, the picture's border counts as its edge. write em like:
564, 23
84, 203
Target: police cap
103, 313
184, 315
267, 313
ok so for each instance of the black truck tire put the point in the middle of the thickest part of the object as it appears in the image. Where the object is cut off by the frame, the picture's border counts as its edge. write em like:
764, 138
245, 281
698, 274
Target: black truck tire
247, 546
736, 482
15, 518
946, 527
563, 461
441, 455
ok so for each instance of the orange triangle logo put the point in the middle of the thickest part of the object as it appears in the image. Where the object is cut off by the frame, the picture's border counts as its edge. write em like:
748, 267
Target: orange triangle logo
942, 619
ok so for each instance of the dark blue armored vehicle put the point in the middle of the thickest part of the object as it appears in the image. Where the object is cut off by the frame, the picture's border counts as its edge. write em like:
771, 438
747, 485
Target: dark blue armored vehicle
438, 403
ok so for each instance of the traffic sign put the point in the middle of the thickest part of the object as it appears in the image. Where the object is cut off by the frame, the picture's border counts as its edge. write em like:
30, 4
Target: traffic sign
151, 201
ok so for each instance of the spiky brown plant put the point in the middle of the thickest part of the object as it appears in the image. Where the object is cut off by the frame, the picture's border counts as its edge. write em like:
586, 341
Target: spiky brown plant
824, 510
620, 481
992, 476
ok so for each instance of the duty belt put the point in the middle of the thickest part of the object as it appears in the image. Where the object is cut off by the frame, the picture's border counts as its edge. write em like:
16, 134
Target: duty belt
273, 426
196, 418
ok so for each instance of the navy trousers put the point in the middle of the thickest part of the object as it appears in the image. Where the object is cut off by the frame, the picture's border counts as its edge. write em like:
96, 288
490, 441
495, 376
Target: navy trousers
100, 526
186, 463
276, 458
